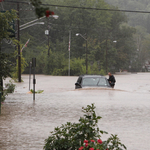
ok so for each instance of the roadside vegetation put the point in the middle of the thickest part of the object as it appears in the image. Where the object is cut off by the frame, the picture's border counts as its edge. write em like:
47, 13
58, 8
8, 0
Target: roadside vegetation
9, 88
6, 65
84, 135
114, 43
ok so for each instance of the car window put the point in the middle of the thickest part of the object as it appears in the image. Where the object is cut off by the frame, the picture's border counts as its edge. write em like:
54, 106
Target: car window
102, 82
90, 81
79, 80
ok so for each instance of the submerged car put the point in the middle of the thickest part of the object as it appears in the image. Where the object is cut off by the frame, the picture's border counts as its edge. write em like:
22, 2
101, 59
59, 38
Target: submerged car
92, 81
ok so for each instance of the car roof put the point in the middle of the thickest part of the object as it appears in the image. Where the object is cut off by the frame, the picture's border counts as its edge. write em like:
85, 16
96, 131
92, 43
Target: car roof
85, 76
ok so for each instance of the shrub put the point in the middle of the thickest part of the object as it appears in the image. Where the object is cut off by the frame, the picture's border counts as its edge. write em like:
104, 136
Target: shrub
9, 88
113, 143
72, 136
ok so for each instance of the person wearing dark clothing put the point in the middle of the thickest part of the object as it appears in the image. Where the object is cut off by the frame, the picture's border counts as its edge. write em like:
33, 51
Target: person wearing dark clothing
111, 80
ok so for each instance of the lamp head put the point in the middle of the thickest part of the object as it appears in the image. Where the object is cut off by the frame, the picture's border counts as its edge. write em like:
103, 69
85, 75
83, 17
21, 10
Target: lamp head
77, 34
41, 23
55, 16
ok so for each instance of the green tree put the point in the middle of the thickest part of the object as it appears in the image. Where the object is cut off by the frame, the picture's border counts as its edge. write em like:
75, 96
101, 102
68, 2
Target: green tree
141, 38
125, 47
144, 54
6, 18
101, 28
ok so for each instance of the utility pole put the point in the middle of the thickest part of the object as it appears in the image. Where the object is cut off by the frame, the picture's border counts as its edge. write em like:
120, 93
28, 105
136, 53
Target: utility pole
18, 37
106, 56
47, 32
48, 46
1, 78
69, 52
48, 35
86, 57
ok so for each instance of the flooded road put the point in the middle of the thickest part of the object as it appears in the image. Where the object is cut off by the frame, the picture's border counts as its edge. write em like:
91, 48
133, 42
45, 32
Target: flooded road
125, 110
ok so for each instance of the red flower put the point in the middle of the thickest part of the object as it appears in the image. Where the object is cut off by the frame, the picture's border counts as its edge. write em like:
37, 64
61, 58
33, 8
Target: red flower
81, 148
86, 145
107, 149
52, 13
91, 148
99, 141
92, 141
85, 141
48, 12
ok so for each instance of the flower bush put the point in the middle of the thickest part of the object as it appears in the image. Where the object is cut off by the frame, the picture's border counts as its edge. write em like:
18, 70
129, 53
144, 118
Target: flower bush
84, 135
113, 143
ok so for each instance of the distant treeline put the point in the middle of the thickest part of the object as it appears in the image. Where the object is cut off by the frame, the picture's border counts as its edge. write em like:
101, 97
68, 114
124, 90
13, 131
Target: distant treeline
112, 43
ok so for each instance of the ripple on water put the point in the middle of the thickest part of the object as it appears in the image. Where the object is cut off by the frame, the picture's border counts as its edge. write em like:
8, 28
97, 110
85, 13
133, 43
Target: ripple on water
125, 110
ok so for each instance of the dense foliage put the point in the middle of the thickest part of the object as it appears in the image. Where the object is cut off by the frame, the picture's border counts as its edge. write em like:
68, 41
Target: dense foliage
6, 18
73, 136
141, 22
113, 44
6, 30
9, 88
102, 28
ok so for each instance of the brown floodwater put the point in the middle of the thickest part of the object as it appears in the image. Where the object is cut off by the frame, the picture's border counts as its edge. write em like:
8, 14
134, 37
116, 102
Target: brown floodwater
125, 110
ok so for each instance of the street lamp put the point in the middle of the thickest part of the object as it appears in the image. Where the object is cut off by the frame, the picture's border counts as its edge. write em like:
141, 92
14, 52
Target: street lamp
85, 38
54, 16
31, 25
114, 41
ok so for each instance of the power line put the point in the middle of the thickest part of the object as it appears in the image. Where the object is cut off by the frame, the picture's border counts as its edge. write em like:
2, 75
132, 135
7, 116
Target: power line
16, 2
133, 11
89, 8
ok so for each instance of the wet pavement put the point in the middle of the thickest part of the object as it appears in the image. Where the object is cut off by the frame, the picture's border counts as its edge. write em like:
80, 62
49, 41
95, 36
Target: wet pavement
125, 110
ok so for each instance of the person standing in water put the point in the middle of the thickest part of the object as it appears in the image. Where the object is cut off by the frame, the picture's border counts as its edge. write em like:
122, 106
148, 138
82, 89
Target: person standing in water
111, 80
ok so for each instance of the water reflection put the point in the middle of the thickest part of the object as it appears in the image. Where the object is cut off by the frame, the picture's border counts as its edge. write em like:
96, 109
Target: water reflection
125, 110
